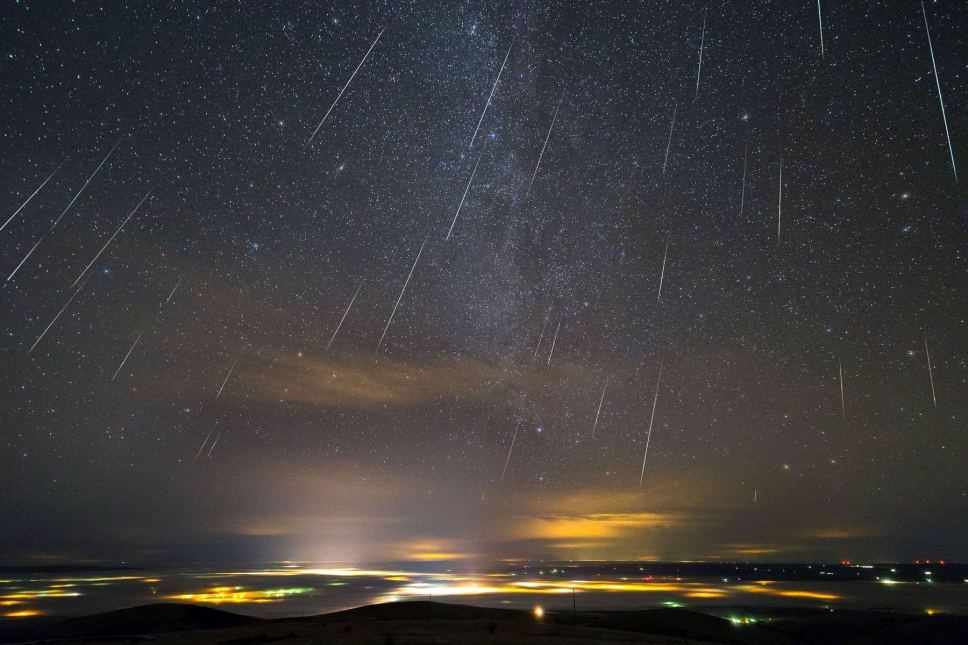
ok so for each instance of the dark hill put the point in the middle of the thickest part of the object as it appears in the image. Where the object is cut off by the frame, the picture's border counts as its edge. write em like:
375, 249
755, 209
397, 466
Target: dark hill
428, 610
148, 619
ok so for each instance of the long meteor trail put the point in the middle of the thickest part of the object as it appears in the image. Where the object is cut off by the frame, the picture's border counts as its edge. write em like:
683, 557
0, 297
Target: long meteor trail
34, 194
400, 297
553, 342
111, 239
508, 460
202, 447
662, 275
930, 373
541, 156
66, 305
779, 203
340, 95
466, 188
820, 18
669, 143
345, 313
212, 447
651, 419
126, 356
540, 337
597, 414
25, 258
496, 81
940, 100
176, 285
103, 161
231, 369
840, 369
702, 43
742, 195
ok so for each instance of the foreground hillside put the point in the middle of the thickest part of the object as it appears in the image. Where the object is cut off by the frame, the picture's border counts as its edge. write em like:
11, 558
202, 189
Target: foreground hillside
413, 623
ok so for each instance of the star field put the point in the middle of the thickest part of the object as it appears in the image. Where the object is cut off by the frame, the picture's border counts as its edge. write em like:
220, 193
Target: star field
209, 316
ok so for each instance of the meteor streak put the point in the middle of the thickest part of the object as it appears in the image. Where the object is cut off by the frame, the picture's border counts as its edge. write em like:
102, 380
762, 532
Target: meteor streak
940, 100
126, 356
467, 188
112, 237
541, 156
496, 80
340, 95
840, 368
702, 43
86, 183
230, 373
69, 300
508, 460
742, 196
34, 194
779, 203
400, 297
543, 327
600, 401
25, 258
930, 373
651, 419
212, 447
345, 314
662, 275
820, 18
176, 285
669, 144
552, 353
202, 447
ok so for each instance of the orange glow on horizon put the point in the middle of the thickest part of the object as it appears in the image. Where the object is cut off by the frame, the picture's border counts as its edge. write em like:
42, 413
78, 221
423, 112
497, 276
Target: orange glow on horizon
25, 613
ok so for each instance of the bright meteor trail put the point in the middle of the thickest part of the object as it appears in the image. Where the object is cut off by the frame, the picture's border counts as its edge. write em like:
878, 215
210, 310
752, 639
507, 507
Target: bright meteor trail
202, 447
600, 402
662, 275
669, 144
940, 100
820, 18
555, 340
651, 419
25, 258
393, 313
345, 314
176, 286
126, 356
34, 194
467, 188
66, 305
111, 239
540, 156
742, 196
843, 405
340, 95
496, 80
702, 43
231, 369
508, 460
779, 203
540, 337
103, 161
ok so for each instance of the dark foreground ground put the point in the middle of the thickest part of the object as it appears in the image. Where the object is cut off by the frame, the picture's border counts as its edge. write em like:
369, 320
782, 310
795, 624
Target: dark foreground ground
409, 623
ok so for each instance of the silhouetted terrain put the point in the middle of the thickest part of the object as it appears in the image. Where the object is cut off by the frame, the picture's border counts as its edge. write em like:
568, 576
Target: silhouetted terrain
431, 622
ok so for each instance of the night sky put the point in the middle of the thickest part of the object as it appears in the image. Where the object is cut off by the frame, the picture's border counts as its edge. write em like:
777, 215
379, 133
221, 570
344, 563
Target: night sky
185, 407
